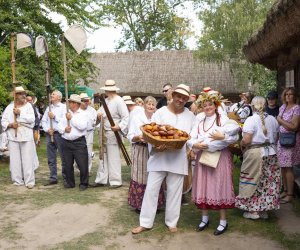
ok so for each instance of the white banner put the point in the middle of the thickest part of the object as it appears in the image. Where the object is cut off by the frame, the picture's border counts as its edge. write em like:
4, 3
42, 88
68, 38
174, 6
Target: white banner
76, 35
41, 46
23, 41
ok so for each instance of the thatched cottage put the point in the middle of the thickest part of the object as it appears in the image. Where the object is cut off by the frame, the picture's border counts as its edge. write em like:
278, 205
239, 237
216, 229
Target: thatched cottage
143, 73
276, 44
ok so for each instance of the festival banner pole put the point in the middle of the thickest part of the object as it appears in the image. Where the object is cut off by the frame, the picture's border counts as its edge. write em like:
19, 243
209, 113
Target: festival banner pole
63, 47
13, 70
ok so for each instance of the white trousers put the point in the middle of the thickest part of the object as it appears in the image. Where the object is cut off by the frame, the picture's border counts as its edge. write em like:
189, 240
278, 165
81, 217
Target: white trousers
173, 198
89, 143
109, 170
21, 162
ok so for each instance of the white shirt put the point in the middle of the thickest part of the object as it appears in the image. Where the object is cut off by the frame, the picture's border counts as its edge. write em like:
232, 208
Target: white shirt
205, 125
174, 161
135, 122
91, 114
119, 113
25, 120
243, 110
79, 124
59, 110
253, 125
135, 112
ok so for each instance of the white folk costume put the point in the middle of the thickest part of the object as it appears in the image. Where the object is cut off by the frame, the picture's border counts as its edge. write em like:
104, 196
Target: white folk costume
213, 187
110, 171
170, 164
59, 111
140, 156
74, 147
21, 147
259, 187
92, 118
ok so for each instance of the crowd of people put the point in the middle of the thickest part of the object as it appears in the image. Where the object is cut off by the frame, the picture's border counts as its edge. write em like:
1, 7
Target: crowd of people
267, 133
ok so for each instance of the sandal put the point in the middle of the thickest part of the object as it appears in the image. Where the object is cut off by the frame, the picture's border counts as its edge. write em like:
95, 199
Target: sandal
287, 199
283, 194
139, 229
172, 229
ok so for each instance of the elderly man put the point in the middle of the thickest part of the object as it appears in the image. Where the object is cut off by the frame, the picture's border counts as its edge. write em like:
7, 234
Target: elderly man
50, 122
110, 171
73, 128
167, 88
171, 165
20, 136
92, 118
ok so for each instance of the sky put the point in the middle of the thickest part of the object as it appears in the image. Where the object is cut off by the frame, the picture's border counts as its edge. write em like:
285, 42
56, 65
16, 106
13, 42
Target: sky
105, 39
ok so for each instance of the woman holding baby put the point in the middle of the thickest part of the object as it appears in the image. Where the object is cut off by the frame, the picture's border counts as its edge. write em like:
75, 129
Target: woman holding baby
212, 179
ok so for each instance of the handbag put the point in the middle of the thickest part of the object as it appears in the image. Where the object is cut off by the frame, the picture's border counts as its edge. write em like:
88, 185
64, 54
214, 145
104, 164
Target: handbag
210, 159
287, 140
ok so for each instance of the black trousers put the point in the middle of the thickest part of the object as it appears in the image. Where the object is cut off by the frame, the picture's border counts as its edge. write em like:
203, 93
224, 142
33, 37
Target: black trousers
76, 150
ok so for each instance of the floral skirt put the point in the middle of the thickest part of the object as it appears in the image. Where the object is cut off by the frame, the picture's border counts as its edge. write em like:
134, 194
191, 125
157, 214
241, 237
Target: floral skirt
266, 196
136, 195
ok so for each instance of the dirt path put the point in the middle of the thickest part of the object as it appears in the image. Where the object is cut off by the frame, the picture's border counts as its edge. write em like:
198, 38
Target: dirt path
288, 222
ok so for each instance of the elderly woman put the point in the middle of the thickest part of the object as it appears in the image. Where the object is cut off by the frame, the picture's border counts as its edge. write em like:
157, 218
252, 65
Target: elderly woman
260, 175
289, 120
212, 180
140, 156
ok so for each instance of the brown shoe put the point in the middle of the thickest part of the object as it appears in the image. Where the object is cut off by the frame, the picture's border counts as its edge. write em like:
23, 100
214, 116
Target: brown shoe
139, 229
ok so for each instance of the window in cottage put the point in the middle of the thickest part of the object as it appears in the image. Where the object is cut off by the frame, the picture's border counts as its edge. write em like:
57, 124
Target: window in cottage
289, 78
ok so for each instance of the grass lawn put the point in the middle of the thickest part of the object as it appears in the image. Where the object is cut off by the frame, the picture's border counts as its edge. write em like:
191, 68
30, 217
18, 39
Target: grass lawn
123, 218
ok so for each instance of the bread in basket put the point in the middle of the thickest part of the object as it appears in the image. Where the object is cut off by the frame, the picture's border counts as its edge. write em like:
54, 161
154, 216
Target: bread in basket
167, 135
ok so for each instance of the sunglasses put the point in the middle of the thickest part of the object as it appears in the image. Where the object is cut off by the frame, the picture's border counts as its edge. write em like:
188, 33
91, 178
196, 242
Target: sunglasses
166, 90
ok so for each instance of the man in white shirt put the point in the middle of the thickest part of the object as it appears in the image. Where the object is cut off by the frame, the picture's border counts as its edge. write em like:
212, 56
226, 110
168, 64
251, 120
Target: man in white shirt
171, 165
73, 128
92, 118
18, 121
50, 122
110, 171
132, 107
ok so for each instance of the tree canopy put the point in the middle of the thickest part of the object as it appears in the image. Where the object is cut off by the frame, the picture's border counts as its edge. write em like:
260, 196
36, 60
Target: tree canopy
227, 25
147, 25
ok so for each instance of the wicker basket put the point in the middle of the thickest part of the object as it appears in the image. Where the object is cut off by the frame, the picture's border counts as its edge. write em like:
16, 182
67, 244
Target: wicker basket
169, 143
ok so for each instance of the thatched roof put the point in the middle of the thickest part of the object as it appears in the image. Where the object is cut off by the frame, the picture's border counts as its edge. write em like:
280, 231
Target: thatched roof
144, 73
275, 44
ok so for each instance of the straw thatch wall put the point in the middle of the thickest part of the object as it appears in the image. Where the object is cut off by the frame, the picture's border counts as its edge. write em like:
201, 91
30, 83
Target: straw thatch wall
276, 45
143, 73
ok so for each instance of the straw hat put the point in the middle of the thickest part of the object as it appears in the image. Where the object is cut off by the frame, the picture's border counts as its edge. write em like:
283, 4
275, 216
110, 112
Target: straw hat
127, 99
84, 96
75, 98
20, 89
182, 89
110, 85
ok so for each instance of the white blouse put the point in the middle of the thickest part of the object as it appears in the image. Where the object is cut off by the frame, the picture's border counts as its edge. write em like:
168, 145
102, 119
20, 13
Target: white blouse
205, 125
253, 125
135, 122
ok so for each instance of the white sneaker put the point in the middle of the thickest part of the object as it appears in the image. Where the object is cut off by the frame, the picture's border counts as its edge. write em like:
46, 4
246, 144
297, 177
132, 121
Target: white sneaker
263, 215
252, 216
17, 184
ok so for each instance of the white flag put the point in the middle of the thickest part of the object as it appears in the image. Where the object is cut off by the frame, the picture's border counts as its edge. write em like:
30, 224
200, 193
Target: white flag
41, 46
76, 35
23, 41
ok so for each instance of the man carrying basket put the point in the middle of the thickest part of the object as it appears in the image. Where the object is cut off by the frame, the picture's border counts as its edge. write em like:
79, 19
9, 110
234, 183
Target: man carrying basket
165, 163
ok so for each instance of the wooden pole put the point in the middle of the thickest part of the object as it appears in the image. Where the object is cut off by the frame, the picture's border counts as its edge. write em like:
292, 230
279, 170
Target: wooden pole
112, 123
63, 46
48, 86
13, 69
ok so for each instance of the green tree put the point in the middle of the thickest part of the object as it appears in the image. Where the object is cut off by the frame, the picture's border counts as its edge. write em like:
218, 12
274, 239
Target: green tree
227, 26
147, 25
32, 17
